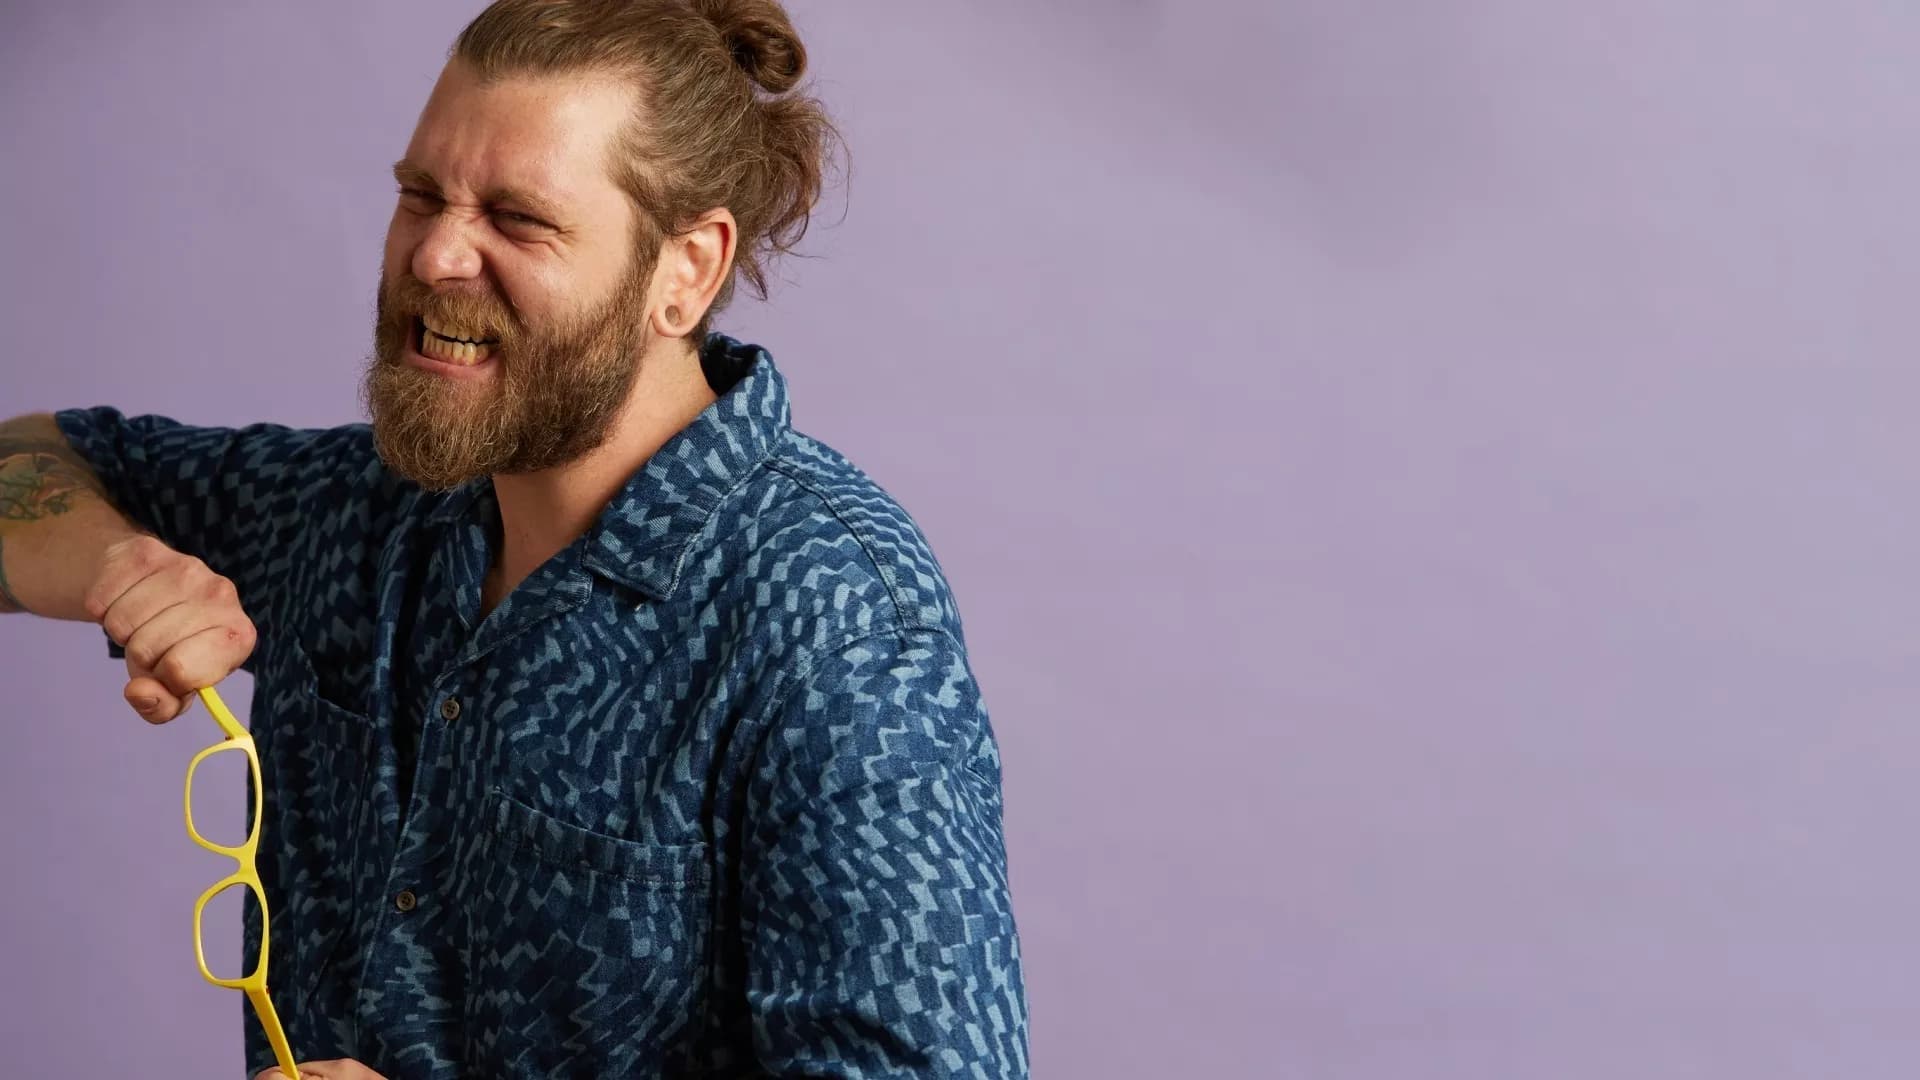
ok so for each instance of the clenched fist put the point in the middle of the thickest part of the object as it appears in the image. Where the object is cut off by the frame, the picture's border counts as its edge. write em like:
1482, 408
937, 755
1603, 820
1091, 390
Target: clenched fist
180, 624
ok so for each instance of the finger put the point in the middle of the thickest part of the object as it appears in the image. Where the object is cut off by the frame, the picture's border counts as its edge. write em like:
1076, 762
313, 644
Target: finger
150, 698
162, 630
128, 563
164, 587
203, 659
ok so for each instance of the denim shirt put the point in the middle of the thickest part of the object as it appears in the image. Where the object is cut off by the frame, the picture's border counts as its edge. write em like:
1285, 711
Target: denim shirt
713, 791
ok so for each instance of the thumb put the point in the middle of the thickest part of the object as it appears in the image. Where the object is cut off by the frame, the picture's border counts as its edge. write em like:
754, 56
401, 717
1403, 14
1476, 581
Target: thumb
153, 701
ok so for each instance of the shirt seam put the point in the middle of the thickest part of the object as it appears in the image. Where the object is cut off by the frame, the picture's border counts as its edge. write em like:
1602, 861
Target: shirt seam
590, 561
801, 673
901, 609
707, 519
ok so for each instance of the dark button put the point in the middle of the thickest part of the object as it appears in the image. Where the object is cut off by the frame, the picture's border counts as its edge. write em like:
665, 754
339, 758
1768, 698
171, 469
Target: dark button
406, 901
450, 709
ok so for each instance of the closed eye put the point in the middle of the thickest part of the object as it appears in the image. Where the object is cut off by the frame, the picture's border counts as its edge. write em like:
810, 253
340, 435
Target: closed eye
423, 199
518, 219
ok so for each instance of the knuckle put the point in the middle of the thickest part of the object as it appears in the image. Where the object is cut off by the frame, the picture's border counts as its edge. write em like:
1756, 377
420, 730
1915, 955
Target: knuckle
148, 553
172, 671
143, 656
126, 564
190, 572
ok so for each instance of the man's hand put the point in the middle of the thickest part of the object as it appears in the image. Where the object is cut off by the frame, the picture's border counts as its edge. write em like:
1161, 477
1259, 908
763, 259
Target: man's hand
341, 1069
180, 623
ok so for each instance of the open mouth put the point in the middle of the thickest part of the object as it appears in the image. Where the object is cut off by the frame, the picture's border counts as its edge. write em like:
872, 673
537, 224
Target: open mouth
453, 344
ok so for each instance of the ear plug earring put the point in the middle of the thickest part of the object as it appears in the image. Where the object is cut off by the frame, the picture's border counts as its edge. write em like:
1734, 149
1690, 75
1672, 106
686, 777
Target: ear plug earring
673, 314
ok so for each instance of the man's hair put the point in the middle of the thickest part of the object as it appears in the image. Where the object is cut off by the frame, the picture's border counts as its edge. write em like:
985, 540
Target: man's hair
719, 122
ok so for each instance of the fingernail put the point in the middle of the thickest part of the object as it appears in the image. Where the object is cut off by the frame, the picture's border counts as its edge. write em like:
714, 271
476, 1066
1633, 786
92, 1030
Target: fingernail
146, 704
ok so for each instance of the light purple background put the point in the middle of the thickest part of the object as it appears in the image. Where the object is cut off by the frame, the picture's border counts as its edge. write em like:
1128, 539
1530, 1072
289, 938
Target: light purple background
1429, 485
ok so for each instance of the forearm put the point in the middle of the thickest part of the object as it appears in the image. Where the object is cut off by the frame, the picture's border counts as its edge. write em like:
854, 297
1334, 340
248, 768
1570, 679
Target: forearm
56, 523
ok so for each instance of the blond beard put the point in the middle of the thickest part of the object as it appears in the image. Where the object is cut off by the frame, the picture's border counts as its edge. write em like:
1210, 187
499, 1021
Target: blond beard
554, 397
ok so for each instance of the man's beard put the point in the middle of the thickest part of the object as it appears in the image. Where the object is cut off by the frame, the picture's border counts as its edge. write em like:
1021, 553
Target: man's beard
554, 396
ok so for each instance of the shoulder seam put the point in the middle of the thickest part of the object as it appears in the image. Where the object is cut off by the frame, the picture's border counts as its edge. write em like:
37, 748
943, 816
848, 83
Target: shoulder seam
800, 673
778, 463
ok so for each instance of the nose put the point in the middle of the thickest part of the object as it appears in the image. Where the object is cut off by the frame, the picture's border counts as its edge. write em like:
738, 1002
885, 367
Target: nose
446, 253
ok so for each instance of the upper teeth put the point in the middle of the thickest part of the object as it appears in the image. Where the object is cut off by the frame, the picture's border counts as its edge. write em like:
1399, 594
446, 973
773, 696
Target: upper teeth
452, 334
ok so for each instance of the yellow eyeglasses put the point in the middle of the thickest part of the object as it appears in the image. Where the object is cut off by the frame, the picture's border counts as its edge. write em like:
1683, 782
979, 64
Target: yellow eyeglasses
254, 983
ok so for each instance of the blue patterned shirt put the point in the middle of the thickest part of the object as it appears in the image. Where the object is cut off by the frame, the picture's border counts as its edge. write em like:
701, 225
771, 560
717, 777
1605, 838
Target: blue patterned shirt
712, 792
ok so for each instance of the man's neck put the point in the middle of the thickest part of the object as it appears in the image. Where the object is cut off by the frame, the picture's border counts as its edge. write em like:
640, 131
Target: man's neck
542, 512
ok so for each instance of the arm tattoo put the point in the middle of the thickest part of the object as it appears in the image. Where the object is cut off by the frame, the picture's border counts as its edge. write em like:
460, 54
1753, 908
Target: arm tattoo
40, 477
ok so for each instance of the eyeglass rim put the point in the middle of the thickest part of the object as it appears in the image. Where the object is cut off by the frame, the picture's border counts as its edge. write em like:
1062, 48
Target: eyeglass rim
245, 850
256, 976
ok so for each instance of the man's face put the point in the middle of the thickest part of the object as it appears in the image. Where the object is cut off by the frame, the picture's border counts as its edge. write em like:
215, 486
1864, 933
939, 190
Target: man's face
511, 313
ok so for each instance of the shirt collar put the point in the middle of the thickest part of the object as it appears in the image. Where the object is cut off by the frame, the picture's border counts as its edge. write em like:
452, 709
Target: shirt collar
644, 536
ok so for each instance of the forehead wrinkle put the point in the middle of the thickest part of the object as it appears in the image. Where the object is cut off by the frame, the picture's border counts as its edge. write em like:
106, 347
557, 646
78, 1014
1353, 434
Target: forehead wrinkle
542, 144
524, 181
407, 171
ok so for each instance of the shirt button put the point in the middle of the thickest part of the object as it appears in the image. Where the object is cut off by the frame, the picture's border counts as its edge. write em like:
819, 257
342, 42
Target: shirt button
406, 901
450, 710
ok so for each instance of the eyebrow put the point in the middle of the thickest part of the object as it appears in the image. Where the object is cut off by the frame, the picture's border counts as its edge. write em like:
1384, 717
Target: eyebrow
411, 175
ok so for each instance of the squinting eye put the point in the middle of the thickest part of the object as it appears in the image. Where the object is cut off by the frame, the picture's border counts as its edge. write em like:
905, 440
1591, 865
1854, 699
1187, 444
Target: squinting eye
422, 200
519, 219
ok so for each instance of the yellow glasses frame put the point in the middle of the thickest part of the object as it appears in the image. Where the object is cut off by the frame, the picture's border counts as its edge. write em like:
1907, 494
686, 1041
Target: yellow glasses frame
254, 983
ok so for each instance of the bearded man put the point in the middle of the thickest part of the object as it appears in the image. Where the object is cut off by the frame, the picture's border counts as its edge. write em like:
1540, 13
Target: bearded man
609, 726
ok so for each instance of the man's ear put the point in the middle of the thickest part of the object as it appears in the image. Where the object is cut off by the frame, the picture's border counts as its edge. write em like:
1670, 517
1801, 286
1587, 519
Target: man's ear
694, 264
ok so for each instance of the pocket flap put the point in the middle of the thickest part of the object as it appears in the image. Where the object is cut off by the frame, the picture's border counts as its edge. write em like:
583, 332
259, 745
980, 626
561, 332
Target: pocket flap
664, 865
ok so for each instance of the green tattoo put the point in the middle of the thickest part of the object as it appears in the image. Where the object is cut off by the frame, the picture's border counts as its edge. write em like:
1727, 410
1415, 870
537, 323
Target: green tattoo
35, 484
39, 478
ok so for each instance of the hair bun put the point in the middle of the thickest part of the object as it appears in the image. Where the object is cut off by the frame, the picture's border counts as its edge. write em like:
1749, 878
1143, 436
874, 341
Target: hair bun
761, 39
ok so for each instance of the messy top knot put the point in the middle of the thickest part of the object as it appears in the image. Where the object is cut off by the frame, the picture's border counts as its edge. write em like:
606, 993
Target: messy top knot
761, 40
701, 136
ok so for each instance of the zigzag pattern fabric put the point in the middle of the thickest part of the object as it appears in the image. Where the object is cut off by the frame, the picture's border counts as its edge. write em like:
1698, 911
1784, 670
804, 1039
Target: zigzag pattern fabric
713, 792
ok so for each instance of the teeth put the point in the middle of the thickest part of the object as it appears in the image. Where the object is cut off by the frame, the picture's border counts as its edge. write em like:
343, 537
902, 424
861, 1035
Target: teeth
452, 352
452, 331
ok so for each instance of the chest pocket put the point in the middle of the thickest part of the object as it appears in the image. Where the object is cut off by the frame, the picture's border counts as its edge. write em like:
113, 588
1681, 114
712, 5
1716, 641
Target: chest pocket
586, 954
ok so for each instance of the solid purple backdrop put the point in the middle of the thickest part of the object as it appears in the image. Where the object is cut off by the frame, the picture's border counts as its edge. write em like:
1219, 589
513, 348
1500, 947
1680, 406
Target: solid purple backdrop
1429, 486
